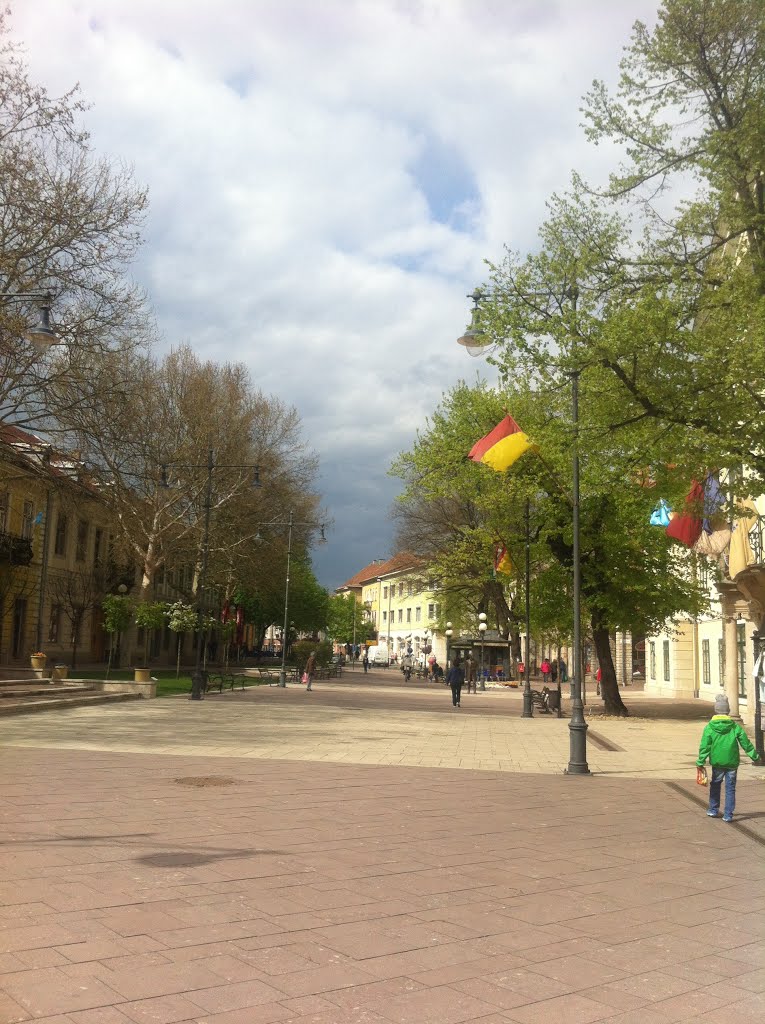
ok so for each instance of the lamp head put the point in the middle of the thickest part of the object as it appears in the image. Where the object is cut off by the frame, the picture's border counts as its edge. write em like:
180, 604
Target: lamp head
482, 616
482, 627
163, 478
474, 339
42, 336
256, 476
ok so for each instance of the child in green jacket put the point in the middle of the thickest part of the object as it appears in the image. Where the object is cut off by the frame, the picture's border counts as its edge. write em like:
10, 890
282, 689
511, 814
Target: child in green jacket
719, 742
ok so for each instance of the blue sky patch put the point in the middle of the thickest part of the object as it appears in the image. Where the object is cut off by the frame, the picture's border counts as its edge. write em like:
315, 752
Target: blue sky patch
446, 182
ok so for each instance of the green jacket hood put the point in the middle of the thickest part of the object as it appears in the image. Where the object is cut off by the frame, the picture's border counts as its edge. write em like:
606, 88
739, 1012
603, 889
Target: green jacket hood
721, 724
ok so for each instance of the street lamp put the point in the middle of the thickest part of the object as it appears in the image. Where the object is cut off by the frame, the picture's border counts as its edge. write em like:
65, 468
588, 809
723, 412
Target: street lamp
482, 627
528, 703
290, 523
198, 676
448, 633
477, 342
41, 335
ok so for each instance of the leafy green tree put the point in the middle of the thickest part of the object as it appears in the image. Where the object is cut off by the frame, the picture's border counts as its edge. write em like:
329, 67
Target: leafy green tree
346, 621
632, 578
117, 615
181, 618
150, 615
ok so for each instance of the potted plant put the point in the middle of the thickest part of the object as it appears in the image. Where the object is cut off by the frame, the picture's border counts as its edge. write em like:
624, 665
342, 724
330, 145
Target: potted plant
148, 616
39, 660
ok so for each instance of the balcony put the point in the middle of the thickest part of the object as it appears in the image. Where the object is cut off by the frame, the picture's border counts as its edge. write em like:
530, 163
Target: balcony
14, 550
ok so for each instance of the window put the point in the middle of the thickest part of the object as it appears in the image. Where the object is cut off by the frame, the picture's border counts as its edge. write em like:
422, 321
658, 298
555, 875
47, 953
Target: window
409, 588
409, 615
401, 590
741, 645
431, 611
98, 547
385, 593
706, 668
721, 660
652, 659
417, 614
82, 540
27, 518
54, 624
401, 615
61, 531
4, 503
385, 616
665, 647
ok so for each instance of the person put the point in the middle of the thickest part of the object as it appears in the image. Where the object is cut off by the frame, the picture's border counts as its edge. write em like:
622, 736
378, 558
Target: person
544, 668
406, 667
455, 679
431, 663
563, 670
470, 673
437, 673
554, 671
598, 677
310, 668
720, 741
365, 661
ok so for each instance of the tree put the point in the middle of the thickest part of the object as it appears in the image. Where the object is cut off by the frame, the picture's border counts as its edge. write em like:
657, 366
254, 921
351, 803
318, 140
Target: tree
78, 592
632, 579
150, 615
118, 613
346, 622
181, 618
70, 224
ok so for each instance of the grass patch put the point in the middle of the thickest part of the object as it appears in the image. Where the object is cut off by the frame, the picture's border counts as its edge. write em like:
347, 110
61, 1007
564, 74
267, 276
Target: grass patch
167, 683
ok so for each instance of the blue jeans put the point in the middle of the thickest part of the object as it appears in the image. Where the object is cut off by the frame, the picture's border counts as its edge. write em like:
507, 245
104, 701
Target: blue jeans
718, 774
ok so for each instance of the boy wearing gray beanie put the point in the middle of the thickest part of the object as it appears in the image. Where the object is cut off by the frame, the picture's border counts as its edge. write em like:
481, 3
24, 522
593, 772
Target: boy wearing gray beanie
720, 742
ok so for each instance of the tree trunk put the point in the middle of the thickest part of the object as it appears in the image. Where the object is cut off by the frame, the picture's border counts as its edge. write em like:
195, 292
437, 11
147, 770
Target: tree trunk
609, 687
178, 656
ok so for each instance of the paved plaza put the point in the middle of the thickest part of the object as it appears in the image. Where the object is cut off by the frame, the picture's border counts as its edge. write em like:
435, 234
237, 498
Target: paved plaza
366, 854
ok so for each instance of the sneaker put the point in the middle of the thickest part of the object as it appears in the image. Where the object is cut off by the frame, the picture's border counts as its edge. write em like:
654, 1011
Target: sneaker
458, 703
712, 814
727, 819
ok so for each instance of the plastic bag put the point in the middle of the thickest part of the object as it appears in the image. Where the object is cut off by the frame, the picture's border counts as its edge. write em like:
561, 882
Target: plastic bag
305, 678
702, 779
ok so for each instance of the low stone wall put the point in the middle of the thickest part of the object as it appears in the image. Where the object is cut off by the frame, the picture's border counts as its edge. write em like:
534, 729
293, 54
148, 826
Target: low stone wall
147, 690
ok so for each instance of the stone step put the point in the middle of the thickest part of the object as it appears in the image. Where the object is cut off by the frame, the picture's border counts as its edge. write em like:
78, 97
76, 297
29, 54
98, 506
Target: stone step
29, 705
44, 690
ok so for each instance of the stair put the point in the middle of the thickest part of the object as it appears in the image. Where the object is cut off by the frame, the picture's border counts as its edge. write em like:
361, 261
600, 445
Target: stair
17, 697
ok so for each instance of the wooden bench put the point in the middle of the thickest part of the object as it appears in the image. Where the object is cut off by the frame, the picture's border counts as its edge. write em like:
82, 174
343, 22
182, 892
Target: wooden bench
269, 676
541, 700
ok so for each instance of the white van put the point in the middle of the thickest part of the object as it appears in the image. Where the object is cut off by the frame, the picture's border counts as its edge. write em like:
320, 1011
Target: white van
377, 655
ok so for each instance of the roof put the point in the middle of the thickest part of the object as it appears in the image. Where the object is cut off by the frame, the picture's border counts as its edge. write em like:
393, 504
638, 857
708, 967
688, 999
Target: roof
397, 564
38, 456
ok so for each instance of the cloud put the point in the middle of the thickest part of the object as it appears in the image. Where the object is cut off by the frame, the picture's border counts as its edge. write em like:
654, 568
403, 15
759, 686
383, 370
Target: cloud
326, 181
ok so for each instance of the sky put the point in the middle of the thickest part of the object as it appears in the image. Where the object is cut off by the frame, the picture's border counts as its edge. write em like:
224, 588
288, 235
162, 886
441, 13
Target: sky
327, 179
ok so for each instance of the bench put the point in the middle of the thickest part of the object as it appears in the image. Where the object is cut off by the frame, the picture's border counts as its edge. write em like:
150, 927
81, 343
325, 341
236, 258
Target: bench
269, 676
547, 700
221, 679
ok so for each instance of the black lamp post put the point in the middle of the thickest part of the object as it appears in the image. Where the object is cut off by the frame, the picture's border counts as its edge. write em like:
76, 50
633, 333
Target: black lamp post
448, 633
198, 676
482, 627
290, 523
41, 335
476, 342
528, 704
758, 639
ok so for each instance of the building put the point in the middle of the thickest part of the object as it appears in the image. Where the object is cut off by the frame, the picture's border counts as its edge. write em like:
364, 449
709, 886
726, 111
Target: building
401, 604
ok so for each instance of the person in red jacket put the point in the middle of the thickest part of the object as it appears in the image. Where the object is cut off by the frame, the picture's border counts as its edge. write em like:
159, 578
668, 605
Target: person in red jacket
720, 742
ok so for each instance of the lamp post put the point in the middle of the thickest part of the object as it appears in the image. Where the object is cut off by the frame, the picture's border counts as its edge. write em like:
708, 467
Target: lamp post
198, 675
528, 704
41, 335
448, 634
290, 523
482, 627
476, 342
389, 644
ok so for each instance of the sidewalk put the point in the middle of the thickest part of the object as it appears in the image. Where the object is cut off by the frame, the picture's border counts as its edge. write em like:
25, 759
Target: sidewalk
235, 861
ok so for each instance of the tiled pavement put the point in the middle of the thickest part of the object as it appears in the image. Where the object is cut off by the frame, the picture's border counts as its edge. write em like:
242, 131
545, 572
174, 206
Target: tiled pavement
168, 862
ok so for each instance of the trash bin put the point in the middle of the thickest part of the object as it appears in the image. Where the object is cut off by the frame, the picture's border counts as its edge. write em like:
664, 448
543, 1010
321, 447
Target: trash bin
553, 700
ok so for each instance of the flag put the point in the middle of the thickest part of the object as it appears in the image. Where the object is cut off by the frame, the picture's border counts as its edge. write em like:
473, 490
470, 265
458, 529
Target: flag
502, 560
502, 446
687, 527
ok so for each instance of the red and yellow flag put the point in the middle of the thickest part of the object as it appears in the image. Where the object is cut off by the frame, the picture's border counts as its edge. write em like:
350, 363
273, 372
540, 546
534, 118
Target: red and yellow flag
502, 560
502, 446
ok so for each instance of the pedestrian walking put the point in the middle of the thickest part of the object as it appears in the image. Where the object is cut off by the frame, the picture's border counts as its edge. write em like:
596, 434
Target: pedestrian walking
310, 669
455, 679
563, 670
598, 678
470, 671
544, 668
554, 671
365, 661
720, 742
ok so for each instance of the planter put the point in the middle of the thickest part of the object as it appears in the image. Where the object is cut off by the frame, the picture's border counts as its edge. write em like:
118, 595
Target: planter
60, 672
142, 675
38, 665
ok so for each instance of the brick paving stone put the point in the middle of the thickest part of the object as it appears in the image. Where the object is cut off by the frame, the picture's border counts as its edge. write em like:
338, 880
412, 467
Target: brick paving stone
569, 1009
49, 991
